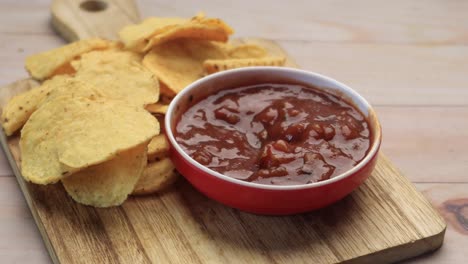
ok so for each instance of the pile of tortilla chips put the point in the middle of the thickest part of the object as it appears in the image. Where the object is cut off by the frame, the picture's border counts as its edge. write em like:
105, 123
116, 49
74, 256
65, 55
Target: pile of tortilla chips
94, 122
179, 51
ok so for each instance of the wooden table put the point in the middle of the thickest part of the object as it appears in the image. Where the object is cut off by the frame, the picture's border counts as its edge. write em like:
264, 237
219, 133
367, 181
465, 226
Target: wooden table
408, 58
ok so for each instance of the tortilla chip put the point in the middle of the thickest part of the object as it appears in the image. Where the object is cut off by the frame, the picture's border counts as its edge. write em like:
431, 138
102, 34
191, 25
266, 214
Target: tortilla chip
158, 148
200, 32
109, 183
43, 65
114, 74
65, 69
21, 107
136, 36
179, 63
154, 31
107, 59
156, 177
17, 111
118, 75
246, 51
157, 108
212, 66
68, 134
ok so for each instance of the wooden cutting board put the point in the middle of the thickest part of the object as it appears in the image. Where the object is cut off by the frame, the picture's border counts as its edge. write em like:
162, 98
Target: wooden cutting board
385, 220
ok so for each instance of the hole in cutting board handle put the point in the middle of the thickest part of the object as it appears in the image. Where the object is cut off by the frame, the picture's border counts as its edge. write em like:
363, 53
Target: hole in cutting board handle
93, 5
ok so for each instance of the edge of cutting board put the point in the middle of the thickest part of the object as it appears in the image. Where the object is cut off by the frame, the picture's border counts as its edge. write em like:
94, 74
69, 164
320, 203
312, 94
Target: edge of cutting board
25, 191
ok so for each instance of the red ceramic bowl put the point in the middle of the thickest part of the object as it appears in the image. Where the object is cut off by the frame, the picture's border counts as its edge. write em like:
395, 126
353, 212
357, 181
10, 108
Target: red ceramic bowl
259, 198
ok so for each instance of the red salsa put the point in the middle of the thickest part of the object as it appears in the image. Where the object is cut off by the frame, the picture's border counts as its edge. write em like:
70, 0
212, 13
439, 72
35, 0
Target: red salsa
278, 134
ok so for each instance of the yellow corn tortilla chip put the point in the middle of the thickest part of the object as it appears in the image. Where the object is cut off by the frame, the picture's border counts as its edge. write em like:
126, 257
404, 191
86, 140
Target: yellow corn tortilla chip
106, 60
108, 183
157, 108
212, 66
200, 32
136, 36
118, 75
43, 65
158, 147
246, 51
154, 31
65, 69
156, 177
67, 134
74, 88
68, 69
115, 74
20, 108
179, 63
17, 111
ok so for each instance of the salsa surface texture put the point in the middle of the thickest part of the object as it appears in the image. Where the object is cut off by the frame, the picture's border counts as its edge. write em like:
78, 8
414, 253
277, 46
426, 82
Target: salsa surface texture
277, 134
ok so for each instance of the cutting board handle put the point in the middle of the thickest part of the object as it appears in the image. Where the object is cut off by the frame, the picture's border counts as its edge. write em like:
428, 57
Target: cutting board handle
80, 19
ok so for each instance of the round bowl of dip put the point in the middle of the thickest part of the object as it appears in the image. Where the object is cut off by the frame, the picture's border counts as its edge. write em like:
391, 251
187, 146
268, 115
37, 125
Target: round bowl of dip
272, 140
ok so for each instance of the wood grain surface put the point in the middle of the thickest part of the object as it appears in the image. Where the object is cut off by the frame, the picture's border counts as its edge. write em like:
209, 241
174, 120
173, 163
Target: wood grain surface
78, 19
387, 37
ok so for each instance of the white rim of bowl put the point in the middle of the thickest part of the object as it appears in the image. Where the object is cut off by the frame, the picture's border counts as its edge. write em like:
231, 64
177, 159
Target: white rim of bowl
349, 90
